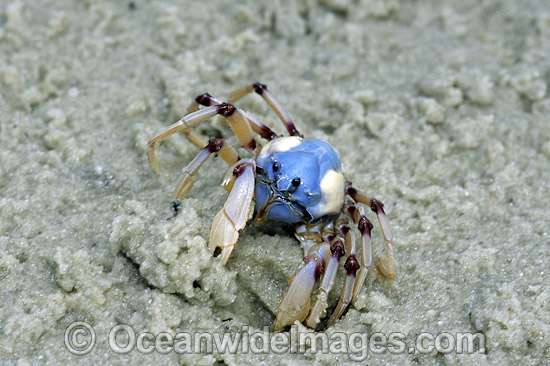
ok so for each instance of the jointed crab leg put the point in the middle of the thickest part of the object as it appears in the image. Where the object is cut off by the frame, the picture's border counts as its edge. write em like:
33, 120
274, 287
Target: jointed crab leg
191, 135
258, 127
204, 99
351, 267
189, 174
365, 228
296, 301
234, 214
387, 268
235, 117
240, 126
319, 309
186, 123
261, 89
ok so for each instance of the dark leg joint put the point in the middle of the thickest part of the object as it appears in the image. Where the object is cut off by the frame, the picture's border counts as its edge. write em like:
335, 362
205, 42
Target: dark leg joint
344, 229
352, 192
267, 133
293, 131
215, 145
351, 265
376, 205
337, 249
204, 99
351, 209
259, 88
251, 145
320, 269
364, 226
226, 109
239, 169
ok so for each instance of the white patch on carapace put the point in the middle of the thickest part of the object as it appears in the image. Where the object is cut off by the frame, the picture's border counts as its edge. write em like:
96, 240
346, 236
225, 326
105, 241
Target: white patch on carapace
279, 144
332, 195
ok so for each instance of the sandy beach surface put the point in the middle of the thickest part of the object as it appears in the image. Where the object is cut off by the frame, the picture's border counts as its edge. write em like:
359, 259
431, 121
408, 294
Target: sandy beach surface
440, 109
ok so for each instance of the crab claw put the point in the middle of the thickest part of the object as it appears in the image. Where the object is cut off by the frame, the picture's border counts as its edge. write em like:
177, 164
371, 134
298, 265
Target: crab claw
234, 214
223, 234
296, 301
319, 309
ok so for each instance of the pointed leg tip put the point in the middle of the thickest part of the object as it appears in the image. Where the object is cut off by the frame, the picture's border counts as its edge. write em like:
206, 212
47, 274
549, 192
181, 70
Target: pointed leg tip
336, 317
332, 322
180, 194
154, 165
226, 253
152, 158
277, 327
312, 323
382, 267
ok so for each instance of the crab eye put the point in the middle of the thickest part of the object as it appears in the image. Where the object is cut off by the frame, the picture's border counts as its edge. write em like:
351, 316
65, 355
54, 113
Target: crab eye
296, 182
276, 166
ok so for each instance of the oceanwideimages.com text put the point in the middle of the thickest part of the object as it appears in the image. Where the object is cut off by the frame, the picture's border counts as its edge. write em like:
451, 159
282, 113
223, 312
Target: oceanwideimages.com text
80, 339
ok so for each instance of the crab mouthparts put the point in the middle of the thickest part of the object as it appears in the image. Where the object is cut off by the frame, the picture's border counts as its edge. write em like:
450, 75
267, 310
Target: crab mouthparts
278, 199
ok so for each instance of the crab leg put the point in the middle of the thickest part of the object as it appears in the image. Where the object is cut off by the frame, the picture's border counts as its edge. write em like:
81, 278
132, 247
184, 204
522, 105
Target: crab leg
204, 99
258, 127
296, 301
319, 309
261, 89
234, 214
240, 126
387, 268
185, 125
191, 135
365, 228
351, 267
235, 117
189, 174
